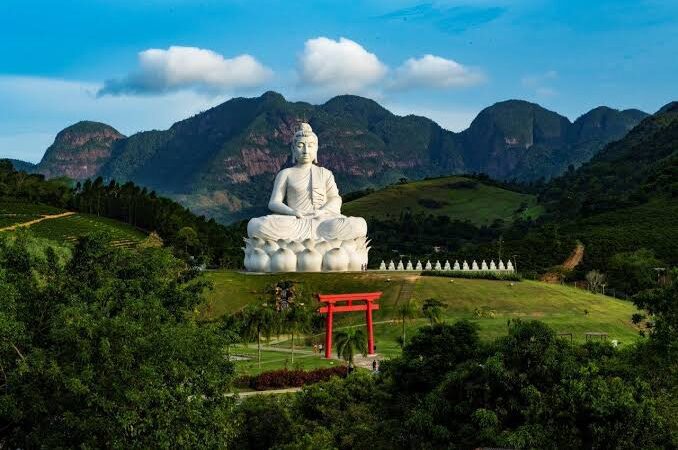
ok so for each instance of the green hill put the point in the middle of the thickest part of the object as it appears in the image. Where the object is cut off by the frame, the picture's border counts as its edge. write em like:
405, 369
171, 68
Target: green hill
458, 198
566, 309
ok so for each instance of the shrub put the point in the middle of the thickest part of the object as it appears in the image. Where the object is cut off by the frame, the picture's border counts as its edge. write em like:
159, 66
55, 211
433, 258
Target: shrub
280, 379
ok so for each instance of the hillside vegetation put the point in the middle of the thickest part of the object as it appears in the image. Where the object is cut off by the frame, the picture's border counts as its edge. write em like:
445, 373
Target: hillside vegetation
489, 303
458, 198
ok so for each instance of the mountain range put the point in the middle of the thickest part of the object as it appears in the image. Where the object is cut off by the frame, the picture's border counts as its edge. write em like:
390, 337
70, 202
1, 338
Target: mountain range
221, 162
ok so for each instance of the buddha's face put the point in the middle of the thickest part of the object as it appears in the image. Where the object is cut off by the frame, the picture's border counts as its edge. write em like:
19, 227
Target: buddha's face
305, 149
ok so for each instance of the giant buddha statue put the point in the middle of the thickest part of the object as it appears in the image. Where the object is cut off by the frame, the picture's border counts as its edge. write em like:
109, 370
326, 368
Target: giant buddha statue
307, 232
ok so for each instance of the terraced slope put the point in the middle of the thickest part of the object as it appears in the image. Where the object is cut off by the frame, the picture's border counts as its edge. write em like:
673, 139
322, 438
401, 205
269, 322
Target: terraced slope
69, 228
456, 197
63, 226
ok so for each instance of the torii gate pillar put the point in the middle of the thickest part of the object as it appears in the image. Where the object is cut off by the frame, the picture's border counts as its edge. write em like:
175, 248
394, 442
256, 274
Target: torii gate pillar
347, 305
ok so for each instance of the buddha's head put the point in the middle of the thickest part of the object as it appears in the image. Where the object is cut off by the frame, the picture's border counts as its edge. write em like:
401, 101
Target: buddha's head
305, 145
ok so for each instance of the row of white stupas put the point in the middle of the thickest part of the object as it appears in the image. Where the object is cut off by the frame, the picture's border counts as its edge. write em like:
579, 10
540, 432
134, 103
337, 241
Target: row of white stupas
463, 267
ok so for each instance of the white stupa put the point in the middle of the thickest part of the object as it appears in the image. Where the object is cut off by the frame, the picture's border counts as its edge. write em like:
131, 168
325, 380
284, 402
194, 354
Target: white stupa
501, 265
474, 266
465, 266
419, 267
456, 265
447, 266
428, 265
493, 266
382, 266
438, 266
391, 266
483, 265
400, 265
409, 266
509, 266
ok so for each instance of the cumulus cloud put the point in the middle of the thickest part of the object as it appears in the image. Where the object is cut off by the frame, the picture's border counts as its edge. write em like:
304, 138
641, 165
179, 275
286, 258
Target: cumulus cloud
432, 71
340, 67
178, 68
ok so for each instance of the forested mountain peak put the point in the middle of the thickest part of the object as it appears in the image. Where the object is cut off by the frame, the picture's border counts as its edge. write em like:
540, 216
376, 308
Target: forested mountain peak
221, 162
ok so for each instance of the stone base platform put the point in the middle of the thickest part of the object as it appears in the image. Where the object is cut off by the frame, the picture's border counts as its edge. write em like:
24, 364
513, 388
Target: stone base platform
307, 256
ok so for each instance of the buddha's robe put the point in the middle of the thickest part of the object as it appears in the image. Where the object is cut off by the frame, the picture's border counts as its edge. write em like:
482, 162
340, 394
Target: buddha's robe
308, 191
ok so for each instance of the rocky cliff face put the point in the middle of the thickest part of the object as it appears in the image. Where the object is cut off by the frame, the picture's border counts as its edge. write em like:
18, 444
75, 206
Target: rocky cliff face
79, 151
222, 162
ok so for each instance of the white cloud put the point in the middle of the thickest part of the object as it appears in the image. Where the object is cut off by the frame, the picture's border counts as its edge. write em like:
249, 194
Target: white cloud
35, 109
195, 68
540, 84
339, 67
432, 71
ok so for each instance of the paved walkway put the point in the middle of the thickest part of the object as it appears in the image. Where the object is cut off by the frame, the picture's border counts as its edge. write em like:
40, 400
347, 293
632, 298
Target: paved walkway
359, 360
268, 392
34, 221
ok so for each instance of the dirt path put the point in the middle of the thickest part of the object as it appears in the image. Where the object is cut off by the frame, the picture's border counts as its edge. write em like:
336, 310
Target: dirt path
34, 221
570, 263
575, 257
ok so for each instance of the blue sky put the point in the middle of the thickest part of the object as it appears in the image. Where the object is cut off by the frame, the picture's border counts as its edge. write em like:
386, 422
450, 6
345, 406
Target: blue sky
145, 64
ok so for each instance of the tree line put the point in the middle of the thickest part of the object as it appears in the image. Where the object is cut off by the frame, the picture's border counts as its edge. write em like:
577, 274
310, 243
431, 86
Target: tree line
203, 240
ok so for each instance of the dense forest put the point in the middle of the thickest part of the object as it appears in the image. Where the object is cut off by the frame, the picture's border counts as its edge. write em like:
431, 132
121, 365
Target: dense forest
100, 348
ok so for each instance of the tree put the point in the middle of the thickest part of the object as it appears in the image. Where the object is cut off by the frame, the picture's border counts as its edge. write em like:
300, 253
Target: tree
432, 310
259, 320
296, 319
349, 341
596, 280
405, 312
661, 303
103, 343
632, 272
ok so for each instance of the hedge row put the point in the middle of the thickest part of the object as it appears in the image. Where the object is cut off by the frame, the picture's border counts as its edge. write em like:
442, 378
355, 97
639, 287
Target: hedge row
503, 276
279, 379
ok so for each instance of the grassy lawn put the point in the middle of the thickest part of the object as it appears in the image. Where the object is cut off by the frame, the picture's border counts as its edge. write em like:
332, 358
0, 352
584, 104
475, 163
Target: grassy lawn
457, 197
272, 360
566, 309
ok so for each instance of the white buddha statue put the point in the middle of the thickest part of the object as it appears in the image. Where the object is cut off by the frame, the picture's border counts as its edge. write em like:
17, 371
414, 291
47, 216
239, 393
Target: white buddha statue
306, 207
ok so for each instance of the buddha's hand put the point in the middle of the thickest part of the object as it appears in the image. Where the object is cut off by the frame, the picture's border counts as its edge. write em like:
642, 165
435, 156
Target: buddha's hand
300, 214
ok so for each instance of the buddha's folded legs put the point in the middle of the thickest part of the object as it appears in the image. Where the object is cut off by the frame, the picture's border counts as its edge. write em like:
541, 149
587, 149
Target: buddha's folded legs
276, 226
342, 228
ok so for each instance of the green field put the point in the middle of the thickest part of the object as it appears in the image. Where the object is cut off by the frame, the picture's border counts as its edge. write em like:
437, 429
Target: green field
566, 309
66, 229
246, 363
457, 197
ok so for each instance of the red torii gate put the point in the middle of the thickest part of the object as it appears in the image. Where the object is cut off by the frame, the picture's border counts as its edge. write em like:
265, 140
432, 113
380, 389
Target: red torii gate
331, 301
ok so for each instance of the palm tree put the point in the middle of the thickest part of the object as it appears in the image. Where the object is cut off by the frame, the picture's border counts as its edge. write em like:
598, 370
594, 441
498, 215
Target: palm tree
348, 342
296, 320
405, 312
432, 310
259, 320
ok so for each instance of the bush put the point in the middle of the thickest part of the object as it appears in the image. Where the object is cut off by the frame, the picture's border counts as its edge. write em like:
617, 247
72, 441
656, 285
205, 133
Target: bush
280, 379
478, 274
